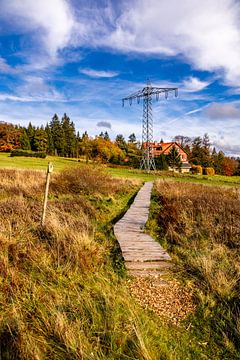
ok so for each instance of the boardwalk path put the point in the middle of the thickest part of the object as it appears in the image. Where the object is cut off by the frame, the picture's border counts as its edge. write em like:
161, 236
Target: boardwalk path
141, 253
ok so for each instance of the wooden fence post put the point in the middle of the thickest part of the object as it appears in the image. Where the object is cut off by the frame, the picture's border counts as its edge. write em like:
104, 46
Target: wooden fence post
49, 171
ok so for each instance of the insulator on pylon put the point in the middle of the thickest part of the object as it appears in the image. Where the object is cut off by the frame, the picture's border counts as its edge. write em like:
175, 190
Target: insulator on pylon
157, 96
166, 94
176, 92
122, 103
130, 102
138, 99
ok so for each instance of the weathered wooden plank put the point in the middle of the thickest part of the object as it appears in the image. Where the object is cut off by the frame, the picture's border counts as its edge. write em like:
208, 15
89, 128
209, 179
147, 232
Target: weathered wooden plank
142, 254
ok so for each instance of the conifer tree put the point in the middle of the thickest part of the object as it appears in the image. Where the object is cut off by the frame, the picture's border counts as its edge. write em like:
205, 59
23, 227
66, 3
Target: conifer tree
106, 136
132, 138
57, 135
69, 136
40, 139
31, 133
24, 140
50, 144
173, 158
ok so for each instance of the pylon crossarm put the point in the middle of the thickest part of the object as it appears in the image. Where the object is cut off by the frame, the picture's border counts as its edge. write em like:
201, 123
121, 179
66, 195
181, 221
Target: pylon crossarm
146, 93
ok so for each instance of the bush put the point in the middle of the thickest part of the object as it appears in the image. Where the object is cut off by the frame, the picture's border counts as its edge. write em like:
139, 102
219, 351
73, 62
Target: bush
209, 171
25, 153
197, 169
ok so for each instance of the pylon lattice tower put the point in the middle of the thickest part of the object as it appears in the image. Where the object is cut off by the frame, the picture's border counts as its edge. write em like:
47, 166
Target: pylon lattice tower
147, 93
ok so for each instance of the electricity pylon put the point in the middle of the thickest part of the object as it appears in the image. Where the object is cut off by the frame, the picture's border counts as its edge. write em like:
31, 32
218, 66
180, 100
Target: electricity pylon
147, 93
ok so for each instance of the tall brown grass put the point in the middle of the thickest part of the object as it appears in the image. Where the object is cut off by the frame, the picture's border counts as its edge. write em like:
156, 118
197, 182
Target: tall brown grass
59, 295
200, 225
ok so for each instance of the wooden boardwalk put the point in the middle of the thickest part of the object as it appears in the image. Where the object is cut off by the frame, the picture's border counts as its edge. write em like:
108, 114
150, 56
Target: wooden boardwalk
141, 253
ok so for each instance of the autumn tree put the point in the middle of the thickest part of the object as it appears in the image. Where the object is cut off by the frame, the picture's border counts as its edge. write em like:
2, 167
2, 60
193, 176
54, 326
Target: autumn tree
229, 166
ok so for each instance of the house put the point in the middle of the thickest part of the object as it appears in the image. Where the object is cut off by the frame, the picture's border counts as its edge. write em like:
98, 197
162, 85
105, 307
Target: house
165, 148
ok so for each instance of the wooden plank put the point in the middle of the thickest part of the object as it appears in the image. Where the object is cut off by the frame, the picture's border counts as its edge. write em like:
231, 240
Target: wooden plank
142, 254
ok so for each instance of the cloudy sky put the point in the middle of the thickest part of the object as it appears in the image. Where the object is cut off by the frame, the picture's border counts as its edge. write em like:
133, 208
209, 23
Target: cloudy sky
81, 57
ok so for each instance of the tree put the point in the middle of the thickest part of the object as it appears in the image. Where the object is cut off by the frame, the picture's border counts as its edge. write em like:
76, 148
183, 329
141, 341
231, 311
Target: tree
24, 140
57, 135
132, 138
206, 160
40, 139
106, 136
184, 141
218, 160
31, 133
69, 136
9, 137
106, 151
85, 146
229, 166
161, 162
173, 158
121, 143
196, 152
50, 144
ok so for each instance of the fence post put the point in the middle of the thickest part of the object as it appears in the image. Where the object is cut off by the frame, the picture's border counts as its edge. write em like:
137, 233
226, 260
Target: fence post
49, 171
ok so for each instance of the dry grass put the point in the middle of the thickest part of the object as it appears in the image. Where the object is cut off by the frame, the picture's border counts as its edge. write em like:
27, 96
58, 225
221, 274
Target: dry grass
200, 225
59, 296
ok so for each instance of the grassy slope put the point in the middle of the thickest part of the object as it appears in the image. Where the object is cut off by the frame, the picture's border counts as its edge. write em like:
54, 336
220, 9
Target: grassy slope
61, 163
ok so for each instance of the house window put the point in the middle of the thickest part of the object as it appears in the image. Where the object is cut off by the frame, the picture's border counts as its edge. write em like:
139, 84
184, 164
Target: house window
159, 148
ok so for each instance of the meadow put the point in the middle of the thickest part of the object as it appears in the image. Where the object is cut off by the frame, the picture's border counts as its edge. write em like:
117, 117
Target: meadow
61, 163
64, 291
200, 227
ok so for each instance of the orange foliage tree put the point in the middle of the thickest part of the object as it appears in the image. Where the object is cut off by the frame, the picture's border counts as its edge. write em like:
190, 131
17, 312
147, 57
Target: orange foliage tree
9, 137
229, 166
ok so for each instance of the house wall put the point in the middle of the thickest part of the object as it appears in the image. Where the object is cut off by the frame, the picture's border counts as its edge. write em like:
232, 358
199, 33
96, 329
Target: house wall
166, 148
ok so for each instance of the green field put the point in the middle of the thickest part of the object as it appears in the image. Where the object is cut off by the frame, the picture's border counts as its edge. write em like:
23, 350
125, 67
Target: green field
60, 163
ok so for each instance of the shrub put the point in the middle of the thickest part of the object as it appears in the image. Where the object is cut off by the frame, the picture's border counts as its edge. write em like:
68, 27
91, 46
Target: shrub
209, 171
25, 153
197, 169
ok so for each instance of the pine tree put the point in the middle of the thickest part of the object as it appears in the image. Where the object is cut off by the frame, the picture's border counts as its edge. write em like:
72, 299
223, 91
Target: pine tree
31, 133
69, 136
173, 158
206, 160
24, 140
132, 138
57, 135
50, 144
161, 162
40, 139
121, 143
196, 153
218, 163
106, 136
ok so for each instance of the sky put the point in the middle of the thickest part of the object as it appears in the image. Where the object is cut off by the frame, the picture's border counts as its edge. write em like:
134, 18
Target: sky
82, 57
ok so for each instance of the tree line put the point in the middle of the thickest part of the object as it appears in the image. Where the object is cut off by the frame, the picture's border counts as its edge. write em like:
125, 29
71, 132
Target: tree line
200, 152
59, 137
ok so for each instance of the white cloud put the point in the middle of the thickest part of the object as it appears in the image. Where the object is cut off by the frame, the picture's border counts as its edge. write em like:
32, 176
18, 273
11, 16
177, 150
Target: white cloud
222, 111
98, 73
193, 84
51, 20
6, 68
33, 89
206, 33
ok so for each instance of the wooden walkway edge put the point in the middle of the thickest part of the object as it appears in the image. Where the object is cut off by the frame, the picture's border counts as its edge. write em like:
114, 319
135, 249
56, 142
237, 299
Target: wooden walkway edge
143, 256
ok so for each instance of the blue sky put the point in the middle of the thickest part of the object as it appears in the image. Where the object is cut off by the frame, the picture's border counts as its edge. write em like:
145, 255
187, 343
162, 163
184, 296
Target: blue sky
82, 57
